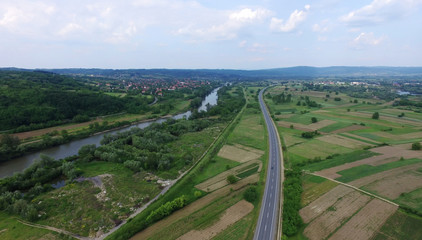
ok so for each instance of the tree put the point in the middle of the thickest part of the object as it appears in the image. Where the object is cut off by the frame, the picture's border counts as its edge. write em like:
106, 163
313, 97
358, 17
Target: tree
231, 179
251, 194
416, 146
376, 115
314, 119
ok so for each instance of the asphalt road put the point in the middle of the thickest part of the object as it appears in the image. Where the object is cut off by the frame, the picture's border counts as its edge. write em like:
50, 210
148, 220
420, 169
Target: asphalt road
268, 221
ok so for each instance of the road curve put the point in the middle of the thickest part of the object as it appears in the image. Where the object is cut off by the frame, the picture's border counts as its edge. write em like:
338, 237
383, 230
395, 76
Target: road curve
268, 222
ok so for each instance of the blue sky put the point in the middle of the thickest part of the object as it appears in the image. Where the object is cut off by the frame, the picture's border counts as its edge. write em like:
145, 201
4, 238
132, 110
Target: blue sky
209, 33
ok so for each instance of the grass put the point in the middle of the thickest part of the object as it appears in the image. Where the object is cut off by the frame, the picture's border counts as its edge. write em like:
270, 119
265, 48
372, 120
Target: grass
249, 132
315, 148
412, 199
248, 172
400, 226
340, 160
76, 208
11, 229
235, 231
314, 187
216, 166
335, 126
198, 220
354, 173
194, 143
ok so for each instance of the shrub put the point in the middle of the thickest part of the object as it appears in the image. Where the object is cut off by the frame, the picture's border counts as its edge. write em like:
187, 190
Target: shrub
251, 194
376, 115
314, 119
231, 179
416, 146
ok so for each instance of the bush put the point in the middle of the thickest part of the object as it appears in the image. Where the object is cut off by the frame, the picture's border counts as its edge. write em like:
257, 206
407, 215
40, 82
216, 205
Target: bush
314, 119
376, 115
231, 179
251, 194
416, 146
310, 134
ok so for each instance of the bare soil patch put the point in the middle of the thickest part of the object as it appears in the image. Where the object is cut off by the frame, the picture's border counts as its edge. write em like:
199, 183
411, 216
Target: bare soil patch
416, 134
343, 141
254, 150
313, 191
349, 128
388, 118
321, 124
298, 126
359, 137
291, 140
237, 154
366, 222
284, 115
195, 206
391, 187
320, 205
389, 173
39, 132
230, 216
310, 127
388, 154
335, 215
220, 180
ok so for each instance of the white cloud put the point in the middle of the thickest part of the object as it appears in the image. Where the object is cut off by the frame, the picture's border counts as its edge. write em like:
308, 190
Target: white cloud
366, 39
296, 17
234, 22
379, 11
322, 27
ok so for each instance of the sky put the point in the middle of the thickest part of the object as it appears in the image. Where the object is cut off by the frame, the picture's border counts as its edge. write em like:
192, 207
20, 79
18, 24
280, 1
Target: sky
212, 34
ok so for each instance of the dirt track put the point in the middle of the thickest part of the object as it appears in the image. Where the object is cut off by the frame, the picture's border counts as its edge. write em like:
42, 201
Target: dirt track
366, 222
231, 215
186, 211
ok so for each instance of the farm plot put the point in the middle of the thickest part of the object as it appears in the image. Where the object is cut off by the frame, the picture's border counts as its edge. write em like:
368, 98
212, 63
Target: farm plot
314, 187
387, 154
335, 215
320, 205
159, 229
238, 154
384, 174
349, 129
220, 180
366, 222
400, 226
343, 141
392, 187
315, 148
231, 215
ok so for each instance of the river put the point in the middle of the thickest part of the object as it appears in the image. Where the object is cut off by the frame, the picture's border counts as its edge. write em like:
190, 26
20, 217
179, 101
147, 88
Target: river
72, 148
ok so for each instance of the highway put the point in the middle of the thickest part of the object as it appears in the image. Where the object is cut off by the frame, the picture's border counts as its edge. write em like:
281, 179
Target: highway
268, 221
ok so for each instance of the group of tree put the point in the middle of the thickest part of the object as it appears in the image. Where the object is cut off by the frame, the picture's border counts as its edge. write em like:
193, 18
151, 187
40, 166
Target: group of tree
310, 134
16, 192
292, 191
282, 98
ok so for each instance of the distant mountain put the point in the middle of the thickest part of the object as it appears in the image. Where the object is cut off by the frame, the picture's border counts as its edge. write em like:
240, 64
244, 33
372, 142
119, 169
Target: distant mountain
281, 73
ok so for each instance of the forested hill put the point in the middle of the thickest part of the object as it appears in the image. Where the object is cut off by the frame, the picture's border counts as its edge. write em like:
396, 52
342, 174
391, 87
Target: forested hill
230, 74
41, 98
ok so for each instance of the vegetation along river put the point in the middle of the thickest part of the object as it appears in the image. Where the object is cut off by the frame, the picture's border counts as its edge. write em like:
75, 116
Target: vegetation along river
72, 148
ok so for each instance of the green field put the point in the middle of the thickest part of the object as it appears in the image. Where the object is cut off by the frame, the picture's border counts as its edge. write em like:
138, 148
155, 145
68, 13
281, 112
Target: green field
401, 226
11, 229
339, 160
361, 171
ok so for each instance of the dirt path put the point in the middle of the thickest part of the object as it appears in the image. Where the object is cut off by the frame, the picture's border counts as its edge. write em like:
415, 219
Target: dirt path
53, 229
195, 206
358, 189
230, 216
